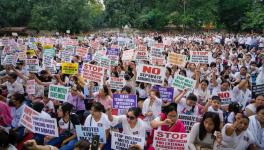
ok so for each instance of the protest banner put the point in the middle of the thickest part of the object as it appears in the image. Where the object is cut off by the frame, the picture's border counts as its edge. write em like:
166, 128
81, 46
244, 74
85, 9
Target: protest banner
122, 141
69, 68
87, 133
58, 92
225, 98
124, 101
22, 56
81, 51
45, 126
128, 55
47, 59
156, 52
150, 74
159, 61
199, 57
116, 83
188, 121
112, 51
169, 140
32, 65
98, 55
257, 90
180, 82
105, 62
141, 55
142, 48
93, 73
166, 93
10, 60
113, 55
177, 59
31, 87
26, 118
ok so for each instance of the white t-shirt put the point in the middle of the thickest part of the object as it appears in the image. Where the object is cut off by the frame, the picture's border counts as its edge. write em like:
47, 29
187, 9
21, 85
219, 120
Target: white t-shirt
103, 122
183, 108
155, 108
202, 95
252, 107
219, 112
242, 97
236, 142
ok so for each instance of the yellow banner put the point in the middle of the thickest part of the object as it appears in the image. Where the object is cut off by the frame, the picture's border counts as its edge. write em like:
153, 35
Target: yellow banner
70, 68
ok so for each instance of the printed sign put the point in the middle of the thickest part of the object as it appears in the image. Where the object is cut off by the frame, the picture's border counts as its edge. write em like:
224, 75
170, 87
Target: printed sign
112, 51
141, 55
45, 126
58, 92
31, 87
123, 141
199, 57
180, 82
26, 117
32, 65
105, 62
257, 90
124, 101
189, 121
166, 94
159, 61
177, 59
10, 60
169, 140
81, 51
70, 68
87, 133
128, 55
225, 98
117, 83
93, 72
150, 74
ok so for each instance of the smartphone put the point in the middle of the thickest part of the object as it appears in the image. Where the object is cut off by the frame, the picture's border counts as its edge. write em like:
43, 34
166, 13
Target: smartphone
95, 142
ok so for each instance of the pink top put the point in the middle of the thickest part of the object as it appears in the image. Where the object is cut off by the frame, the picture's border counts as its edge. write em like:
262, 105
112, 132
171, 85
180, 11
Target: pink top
107, 101
5, 114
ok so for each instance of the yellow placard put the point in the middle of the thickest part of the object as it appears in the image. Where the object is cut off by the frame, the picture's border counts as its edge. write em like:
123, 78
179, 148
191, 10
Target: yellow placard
31, 52
47, 46
69, 68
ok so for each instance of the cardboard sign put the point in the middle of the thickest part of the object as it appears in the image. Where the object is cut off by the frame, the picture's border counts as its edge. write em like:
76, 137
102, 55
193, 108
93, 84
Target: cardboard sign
225, 98
32, 65
10, 60
180, 82
189, 121
150, 74
93, 73
26, 118
199, 57
166, 94
128, 55
58, 92
87, 133
124, 101
257, 90
123, 141
69, 68
45, 126
31, 87
177, 59
156, 52
169, 140
117, 83
81, 51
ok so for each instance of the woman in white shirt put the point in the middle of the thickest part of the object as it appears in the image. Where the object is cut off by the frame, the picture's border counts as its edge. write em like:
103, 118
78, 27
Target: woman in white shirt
241, 93
97, 118
251, 108
202, 134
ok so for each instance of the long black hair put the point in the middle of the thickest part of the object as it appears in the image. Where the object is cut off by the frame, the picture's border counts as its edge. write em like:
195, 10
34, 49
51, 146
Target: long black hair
216, 120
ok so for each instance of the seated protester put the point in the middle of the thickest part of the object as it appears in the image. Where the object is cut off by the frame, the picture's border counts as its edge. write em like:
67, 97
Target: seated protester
5, 115
142, 91
7, 140
187, 105
201, 89
98, 118
214, 105
233, 109
167, 121
236, 136
202, 133
13, 85
131, 123
251, 108
32, 145
256, 127
104, 96
151, 106
241, 75
48, 104
82, 145
76, 98
66, 124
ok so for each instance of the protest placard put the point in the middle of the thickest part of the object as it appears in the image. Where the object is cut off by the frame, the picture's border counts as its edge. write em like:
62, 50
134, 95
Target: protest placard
225, 98
86, 90
98, 55
124, 101
159, 61
47, 59
93, 73
69, 68
26, 117
166, 93
58, 92
10, 60
112, 51
150, 74
199, 57
141, 55
177, 59
156, 52
45, 126
81, 51
122, 141
105, 62
31, 87
188, 121
51, 69
121, 43
164, 140
128, 55
180, 82
32, 65
87, 133
22, 56
257, 90
116, 83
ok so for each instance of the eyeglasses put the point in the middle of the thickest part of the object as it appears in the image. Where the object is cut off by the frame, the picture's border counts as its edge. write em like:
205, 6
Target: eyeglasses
130, 117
